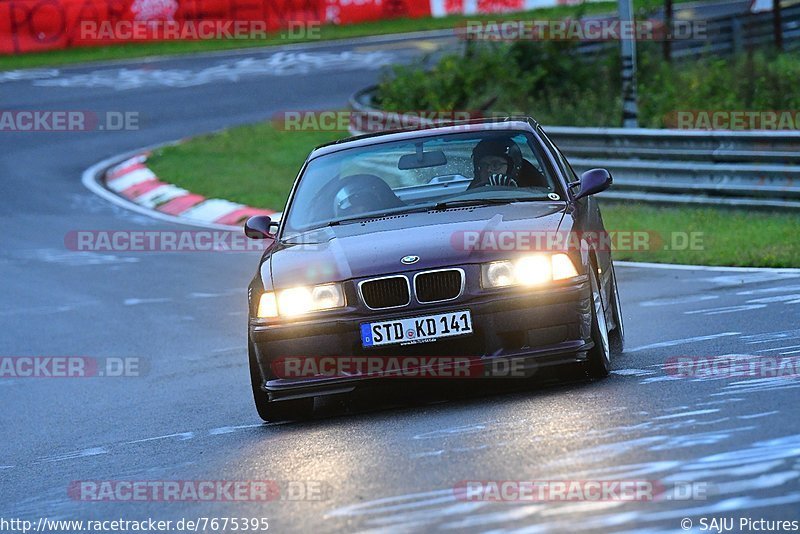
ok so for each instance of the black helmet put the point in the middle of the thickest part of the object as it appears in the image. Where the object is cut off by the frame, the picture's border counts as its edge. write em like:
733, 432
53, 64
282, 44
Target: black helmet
499, 146
362, 193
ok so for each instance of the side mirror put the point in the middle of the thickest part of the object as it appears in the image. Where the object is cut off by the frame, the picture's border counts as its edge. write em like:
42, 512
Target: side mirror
258, 227
593, 181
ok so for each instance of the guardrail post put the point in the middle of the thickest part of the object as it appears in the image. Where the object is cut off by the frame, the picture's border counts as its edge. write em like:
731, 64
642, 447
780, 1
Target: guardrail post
630, 111
668, 27
777, 25
736, 34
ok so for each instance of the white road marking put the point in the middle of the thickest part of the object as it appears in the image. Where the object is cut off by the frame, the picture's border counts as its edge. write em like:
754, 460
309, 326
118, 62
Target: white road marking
752, 277
27, 74
715, 402
201, 295
444, 432
677, 300
74, 258
231, 429
676, 408
427, 454
136, 302
756, 385
776, 289
395, 503
686, 414
683, 341
228, 349
85, 453
757, 415
632, 372
778, 298
182, 436
726, 309
769, 337
277, 64
779, 348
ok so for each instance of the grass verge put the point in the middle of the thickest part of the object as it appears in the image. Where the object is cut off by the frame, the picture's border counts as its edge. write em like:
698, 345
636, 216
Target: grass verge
257, 164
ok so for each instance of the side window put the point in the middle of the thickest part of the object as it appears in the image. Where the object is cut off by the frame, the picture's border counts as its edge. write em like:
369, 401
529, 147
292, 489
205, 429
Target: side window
562, 162
528, 154
570, 171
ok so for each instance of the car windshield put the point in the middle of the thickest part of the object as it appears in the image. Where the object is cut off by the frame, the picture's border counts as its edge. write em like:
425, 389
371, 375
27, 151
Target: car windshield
419, 174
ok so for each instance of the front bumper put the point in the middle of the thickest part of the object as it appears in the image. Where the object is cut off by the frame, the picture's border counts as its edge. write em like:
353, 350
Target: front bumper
538, 328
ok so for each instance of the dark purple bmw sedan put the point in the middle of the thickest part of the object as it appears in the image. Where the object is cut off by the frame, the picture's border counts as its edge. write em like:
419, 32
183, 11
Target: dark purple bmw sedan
475, 242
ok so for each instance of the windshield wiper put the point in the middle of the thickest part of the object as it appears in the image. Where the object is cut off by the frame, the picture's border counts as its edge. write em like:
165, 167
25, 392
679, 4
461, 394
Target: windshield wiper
473, 202
347, 220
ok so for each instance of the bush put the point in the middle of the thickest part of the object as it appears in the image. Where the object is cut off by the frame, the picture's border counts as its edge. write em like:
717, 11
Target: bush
551, 82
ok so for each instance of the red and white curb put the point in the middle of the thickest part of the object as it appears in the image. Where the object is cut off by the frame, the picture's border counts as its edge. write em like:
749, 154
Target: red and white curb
134, 181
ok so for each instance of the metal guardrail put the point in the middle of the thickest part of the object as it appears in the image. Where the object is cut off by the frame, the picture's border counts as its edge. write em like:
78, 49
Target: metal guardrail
751, 169
728, 34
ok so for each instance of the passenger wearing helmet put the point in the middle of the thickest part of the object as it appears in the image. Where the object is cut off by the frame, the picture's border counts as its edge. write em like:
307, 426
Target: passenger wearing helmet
497, 161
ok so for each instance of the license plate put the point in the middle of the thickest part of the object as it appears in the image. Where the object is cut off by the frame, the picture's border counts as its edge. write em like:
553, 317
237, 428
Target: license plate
416, 329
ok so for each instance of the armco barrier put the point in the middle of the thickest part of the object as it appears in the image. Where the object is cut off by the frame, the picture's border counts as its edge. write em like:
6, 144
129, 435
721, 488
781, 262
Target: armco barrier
749, 169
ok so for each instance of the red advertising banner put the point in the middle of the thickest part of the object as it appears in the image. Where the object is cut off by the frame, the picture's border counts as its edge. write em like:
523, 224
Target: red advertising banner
38, 25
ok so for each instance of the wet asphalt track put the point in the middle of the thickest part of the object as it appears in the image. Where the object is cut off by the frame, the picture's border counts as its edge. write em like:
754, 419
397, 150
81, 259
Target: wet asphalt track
384, 459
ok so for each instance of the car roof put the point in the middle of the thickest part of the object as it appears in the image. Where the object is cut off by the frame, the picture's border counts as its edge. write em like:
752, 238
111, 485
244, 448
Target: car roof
419, 132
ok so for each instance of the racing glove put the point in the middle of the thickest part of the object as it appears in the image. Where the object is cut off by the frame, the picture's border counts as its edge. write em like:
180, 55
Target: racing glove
502, 179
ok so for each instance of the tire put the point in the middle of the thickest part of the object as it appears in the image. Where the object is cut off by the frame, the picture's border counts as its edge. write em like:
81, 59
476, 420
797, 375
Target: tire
598, 363
616, 338
273, 411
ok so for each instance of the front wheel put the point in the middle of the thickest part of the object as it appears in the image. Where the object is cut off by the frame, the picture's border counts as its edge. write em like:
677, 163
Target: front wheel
599, 357
616, 337
273, 411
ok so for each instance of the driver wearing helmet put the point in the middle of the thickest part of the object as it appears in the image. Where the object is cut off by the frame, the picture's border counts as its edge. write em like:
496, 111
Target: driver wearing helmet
354, 199
497, 161
363, 193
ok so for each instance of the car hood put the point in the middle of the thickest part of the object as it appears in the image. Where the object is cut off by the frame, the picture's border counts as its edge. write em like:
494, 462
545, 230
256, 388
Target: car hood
375, 247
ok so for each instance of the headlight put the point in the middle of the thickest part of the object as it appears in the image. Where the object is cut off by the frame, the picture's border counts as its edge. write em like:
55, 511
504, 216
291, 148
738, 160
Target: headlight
530, 270
267, 305
301, 300
563, 267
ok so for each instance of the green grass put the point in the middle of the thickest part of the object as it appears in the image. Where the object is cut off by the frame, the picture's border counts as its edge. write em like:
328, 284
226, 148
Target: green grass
726, 236
327, 32
257, 164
